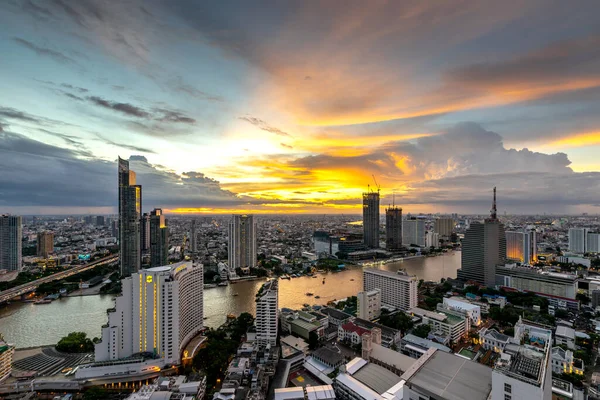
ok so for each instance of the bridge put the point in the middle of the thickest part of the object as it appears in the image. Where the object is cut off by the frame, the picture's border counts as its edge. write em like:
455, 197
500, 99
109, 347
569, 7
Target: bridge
8, 294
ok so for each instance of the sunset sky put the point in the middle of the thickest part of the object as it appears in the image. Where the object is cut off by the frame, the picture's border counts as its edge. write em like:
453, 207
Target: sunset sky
292, 106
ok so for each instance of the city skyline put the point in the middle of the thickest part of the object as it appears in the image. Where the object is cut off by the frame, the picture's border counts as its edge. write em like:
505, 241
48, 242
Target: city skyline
294, 110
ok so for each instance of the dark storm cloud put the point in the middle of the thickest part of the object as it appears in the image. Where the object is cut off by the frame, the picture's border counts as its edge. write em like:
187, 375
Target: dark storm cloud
124, 108
44, 51
76, 88
259, 123
70, 178
125, 146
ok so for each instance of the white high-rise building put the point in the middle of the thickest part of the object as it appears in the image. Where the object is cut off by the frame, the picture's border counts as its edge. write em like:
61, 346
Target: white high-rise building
397, 290
413, 232
521, 246
11, 232
242, 241
593, 242
160, 311
369, 304
432, 239
577, 240
267, 313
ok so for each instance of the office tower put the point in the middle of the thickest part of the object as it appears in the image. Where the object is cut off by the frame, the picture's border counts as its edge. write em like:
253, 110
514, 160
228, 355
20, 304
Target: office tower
160, 311
368, 304
413, 232
242, 242
130, 213
521, 246
483, 248
432, 239
87, 219
577, 240
371, 219
6, 357
45, 244
159, 238
398, 290
393, 228
592, 244
114, 228
145, 232
444, 227
267, 309
99, 220
11, 235
193, 237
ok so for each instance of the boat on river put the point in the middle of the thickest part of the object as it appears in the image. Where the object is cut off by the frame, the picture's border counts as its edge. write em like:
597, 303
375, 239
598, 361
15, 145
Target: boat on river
43, 301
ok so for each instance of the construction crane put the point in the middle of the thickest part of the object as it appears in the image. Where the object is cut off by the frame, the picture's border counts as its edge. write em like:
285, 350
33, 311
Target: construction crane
376, 184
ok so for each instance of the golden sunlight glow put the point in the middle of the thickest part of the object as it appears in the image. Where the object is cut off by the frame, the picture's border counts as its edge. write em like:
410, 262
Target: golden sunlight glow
577, 140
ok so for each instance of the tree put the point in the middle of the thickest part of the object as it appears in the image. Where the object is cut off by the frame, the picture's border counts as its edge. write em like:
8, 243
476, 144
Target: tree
75, 342
582, 297
399, 321
422, 331
313, 340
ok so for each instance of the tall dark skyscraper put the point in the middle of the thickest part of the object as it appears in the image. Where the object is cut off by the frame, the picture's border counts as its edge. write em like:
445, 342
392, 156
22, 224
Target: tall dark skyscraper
483, 248
393, 228
145, 232
11, 236
371, 219
242, 241
130, 212
159, 239
193, 244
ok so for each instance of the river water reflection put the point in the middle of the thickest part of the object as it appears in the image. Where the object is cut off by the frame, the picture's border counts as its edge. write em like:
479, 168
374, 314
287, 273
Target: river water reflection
26, 324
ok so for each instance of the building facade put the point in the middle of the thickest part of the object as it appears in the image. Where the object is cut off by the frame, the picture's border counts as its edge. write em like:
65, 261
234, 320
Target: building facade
159, 238
521, 246
11, 233
130, 214
242, 242
45, 244
267, 313
593, 242
397, 290
413, 232
7, 352
159, 312
145, 232
371, 219
578, 240
393, 228
444, 227
369, 304
534, 280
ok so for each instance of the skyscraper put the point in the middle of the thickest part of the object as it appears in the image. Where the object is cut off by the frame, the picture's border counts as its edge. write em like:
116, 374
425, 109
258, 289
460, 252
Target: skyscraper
11, 235
242, 242
45, 244
521, 246
413, 232
130, 212
159, 238
193, 237
145, 232
100, 220
398, 289
578, 240
445, 227
483, 248
267, 310
393, 228
160, 311
371, 219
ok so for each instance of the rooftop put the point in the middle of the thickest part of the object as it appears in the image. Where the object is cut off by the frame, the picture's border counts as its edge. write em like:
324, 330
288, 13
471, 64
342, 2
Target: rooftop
448, 377
376, 377
396, 275
330, 356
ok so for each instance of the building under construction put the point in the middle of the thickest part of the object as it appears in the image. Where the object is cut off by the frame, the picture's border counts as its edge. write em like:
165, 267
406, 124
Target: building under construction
371, 219
393, 228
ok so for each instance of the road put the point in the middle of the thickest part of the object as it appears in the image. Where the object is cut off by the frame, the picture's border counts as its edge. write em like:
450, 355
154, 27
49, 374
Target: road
33, 285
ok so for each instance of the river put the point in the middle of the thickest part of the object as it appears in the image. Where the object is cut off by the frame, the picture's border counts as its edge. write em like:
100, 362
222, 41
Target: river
28, 325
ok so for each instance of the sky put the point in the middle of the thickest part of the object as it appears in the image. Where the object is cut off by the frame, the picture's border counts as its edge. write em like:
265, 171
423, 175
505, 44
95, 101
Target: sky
300, 106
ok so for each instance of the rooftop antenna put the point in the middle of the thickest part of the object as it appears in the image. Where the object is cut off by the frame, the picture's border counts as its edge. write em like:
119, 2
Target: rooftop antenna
393, 199
494, 212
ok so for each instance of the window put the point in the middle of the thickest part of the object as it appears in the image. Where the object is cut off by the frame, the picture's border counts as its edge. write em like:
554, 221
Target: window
507, 389
507, 397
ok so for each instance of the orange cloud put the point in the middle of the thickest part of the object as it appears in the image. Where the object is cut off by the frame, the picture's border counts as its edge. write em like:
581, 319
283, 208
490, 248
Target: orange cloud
577, 140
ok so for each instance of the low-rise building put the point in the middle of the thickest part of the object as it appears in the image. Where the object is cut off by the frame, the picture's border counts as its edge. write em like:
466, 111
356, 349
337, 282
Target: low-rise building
472, 311
563, 362
302, 323
491, 339
414, 346
447, 324
336, 317
536, 280
389, 336
351, 333
565, 336
324, 392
